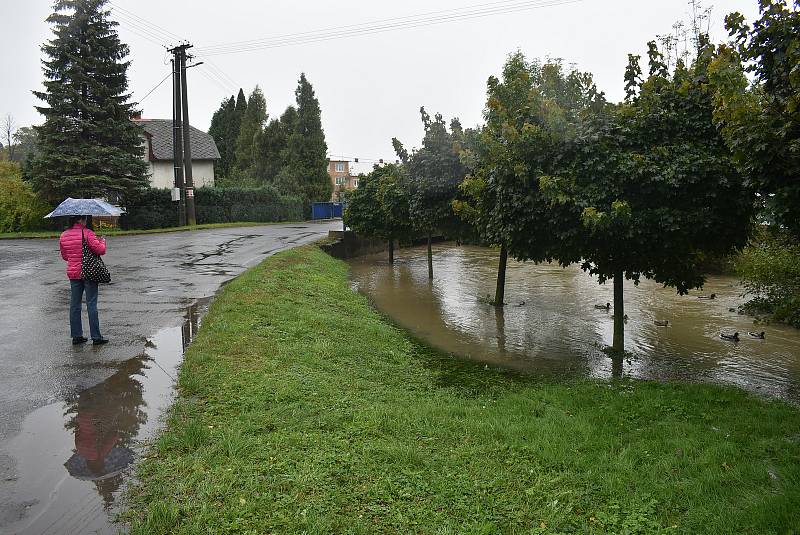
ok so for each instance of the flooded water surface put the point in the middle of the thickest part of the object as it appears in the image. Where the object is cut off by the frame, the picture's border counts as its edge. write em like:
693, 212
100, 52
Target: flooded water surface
550, 324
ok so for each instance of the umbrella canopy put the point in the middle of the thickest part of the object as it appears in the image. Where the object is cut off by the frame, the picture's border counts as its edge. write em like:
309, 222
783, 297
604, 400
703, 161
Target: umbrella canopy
114, 462
93, 207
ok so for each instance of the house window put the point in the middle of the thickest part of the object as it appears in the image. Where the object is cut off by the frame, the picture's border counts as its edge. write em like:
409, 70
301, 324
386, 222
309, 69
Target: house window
355, 182
340, 181
340, 167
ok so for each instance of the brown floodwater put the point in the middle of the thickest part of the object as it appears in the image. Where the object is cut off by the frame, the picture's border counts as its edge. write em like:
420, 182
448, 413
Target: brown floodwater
551, 327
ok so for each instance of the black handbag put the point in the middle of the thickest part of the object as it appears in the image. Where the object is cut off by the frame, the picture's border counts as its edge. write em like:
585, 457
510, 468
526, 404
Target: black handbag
92, 267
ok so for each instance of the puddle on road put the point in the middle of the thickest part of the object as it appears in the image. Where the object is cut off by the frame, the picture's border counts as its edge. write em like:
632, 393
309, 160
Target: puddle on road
74, 457
550, 326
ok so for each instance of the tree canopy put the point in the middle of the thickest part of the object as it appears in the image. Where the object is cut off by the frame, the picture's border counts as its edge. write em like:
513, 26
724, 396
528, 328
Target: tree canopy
761, 122
379, 206
88, 146
654, 185
305, 157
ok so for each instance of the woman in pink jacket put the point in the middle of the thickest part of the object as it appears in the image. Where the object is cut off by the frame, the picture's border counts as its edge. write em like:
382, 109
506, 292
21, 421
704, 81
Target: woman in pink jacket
71, 243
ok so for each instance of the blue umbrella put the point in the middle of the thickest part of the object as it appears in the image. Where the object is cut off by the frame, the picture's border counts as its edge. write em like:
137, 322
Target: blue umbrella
93, 207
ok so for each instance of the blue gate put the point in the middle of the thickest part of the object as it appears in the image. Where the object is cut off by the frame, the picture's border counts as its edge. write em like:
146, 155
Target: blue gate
326, 210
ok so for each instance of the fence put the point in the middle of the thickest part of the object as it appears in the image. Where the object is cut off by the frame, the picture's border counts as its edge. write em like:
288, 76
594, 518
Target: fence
326, 210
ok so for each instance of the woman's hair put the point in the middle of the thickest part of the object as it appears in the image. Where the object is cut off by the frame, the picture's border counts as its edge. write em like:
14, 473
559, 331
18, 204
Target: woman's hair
75, 218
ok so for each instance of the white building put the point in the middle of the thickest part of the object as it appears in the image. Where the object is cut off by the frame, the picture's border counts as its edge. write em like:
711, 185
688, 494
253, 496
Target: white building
158, 153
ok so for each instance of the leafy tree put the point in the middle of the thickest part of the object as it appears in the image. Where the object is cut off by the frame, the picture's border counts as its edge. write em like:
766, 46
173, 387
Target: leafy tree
88, 144
20, 208
531, 115
379, 206
251, 128
762, 123
770, 270
305, 157
26, 144
434, 173
221, 123
654, 186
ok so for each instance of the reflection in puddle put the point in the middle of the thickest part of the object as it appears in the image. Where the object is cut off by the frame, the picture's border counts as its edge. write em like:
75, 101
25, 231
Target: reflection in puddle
72, 457
551, 326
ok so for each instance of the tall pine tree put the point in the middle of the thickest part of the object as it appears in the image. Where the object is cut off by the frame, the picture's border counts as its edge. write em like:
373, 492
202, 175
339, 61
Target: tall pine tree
239, 111
220, 126
306, 152
88, 145
270, 150
251, 127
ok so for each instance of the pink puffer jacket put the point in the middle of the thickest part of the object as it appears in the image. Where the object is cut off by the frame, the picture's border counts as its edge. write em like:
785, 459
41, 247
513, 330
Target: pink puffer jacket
72, 248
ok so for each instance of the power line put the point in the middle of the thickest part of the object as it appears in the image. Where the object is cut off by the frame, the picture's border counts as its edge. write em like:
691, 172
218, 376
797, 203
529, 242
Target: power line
222, 79
142, 35
156, 87
156, 27
158, 35
410, 19
222, 73
399, 23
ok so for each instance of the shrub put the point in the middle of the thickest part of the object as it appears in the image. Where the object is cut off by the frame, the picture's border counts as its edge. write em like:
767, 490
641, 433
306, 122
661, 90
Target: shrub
770, 270
20, 208
155, 209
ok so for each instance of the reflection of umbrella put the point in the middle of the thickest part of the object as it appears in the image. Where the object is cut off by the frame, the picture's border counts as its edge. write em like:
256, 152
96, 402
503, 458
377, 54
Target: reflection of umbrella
94, 207
114, 462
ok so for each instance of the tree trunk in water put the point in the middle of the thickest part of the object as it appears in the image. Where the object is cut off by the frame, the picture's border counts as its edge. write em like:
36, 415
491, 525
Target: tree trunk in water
500, 292
619, 313
430, 258
391, 250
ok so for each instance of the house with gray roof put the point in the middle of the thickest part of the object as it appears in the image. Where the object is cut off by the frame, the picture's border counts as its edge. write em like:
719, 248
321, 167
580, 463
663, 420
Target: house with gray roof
157, 134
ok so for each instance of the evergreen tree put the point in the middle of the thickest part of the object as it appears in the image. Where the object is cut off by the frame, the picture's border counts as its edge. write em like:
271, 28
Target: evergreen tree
88, 144
235, 125
220, 126
306, 151
251, 127
270, 151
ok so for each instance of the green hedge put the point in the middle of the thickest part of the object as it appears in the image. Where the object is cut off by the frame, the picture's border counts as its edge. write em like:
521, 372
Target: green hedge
155, 209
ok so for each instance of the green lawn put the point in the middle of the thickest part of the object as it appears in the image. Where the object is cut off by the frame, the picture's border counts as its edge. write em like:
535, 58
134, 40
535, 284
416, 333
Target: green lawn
118, 232
302, 410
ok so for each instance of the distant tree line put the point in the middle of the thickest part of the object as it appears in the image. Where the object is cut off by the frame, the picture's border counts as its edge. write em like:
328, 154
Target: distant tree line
680, 171
288, 153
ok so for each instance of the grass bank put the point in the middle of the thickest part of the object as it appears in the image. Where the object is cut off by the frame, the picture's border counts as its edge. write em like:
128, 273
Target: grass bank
118, 232
301, 410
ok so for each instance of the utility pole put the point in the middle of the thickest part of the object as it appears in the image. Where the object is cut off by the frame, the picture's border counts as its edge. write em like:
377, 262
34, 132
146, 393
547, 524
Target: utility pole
177, 142
187, 145
182, 145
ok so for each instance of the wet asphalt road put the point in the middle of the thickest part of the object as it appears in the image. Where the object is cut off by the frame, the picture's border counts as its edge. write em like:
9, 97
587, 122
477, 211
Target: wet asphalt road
155, 278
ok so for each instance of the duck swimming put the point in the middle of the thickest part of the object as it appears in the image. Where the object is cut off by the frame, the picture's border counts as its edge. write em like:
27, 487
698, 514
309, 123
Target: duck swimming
760, 336
607, 306
731, 337
712, 296
661, 323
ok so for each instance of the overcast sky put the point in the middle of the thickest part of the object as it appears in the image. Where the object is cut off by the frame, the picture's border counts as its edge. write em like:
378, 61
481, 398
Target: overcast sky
370, 87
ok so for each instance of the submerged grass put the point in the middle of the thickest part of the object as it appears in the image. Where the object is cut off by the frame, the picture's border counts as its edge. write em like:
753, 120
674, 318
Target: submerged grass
301, 410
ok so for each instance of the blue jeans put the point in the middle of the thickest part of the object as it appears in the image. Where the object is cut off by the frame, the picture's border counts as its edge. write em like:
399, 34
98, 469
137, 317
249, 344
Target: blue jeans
75, 324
